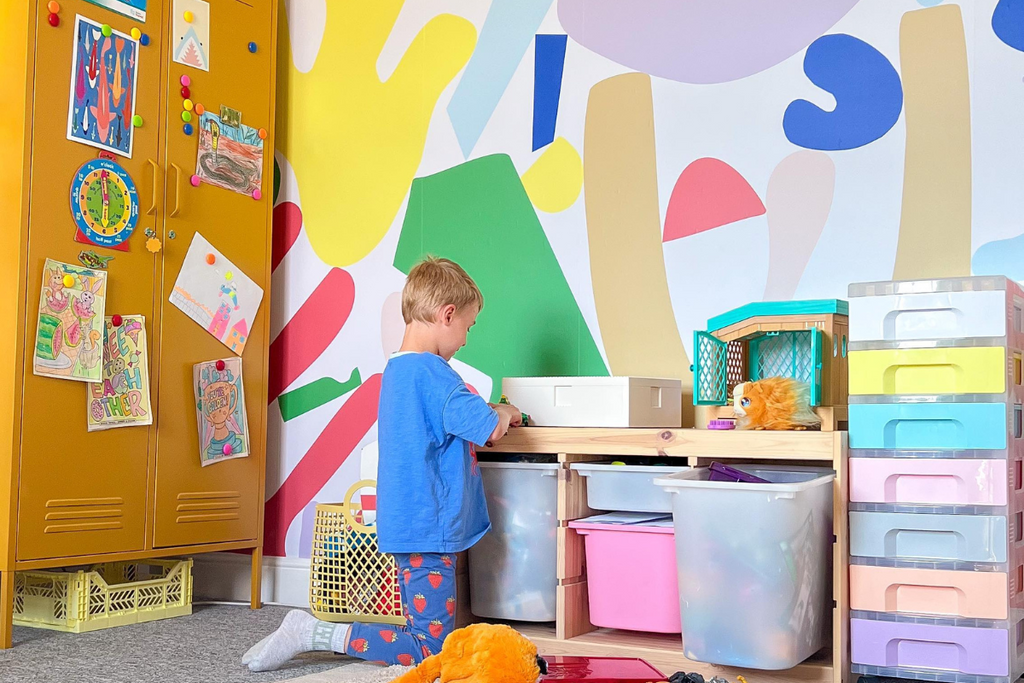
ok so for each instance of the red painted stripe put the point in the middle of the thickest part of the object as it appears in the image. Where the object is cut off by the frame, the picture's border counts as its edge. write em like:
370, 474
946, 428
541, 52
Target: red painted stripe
287, 226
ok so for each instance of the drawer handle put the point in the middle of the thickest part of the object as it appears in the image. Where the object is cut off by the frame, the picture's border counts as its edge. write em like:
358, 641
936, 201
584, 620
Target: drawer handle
893, 480
892, 536
892, 591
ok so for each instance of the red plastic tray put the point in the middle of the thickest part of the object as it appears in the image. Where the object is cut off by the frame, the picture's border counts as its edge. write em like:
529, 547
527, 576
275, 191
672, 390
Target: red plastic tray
600, 670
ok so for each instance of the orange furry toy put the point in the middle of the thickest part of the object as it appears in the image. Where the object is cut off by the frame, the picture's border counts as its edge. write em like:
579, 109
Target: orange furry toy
774, 403
481, 653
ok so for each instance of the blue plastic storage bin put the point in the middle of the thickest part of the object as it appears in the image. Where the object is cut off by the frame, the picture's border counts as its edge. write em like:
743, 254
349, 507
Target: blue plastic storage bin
894, 535
939, 426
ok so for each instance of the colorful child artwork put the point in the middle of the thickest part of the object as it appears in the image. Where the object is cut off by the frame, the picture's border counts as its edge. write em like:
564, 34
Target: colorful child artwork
104, 80
122, 398
230, 157
216, 294
135, 9
69, 338
191, 33
104, 204
220, 410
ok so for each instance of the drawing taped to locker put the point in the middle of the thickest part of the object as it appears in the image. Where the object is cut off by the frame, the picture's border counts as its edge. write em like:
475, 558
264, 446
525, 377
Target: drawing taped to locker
216, 294
122, 398
220, 410
69, 329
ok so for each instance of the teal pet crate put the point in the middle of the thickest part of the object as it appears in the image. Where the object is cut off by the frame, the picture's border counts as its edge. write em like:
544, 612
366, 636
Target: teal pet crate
805, 340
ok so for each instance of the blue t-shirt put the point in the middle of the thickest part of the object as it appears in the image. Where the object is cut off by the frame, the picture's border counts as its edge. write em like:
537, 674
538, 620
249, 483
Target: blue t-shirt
430, 498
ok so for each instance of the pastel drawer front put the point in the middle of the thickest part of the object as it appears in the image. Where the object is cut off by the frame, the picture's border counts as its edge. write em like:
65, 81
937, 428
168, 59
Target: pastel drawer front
974, 595
928, 481
907, 536
894, 372
979, 651
944, 315
935, 426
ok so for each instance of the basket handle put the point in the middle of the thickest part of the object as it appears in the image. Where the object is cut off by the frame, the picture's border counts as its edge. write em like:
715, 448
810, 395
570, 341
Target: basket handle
346, 505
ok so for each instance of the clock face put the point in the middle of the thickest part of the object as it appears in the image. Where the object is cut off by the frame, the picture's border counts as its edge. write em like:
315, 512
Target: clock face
104, 202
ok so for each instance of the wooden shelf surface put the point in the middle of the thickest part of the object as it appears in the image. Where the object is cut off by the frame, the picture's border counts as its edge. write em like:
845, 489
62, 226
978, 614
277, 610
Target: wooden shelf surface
762, 445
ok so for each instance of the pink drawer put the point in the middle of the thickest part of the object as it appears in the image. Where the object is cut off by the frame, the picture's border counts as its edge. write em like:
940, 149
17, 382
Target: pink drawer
938, 481
977, 595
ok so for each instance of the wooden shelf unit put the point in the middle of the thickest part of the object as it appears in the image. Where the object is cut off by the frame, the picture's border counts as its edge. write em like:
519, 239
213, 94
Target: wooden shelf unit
573, 633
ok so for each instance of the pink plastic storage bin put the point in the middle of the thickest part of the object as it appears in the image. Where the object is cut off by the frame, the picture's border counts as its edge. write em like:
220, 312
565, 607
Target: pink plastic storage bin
978, 595
631, 576
935, 481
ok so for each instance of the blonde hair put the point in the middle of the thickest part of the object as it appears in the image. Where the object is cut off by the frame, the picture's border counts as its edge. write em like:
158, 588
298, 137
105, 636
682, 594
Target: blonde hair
436, 282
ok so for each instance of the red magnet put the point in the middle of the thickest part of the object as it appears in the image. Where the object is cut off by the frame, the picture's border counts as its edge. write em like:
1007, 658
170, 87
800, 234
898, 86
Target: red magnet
220, 365
211, 259
116, 319
54, 20
185, 92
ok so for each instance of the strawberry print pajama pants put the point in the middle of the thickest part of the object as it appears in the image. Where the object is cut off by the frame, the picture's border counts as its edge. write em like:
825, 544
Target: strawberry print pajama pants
427, 583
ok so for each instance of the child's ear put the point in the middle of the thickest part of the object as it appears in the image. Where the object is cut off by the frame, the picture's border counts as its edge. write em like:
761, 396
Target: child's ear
448, 313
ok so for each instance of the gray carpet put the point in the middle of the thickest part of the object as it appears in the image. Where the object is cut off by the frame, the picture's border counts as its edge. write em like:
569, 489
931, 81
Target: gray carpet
206, 647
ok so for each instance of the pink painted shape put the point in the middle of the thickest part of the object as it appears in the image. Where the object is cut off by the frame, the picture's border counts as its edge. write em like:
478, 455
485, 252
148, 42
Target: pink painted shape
311, 330
699, 41
799, 199
330, 450
709, 193
287, 226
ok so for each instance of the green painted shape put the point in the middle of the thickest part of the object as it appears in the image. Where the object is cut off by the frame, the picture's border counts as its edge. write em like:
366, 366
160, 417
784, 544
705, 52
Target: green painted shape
764, 308
277, 180
315, 394
478, 215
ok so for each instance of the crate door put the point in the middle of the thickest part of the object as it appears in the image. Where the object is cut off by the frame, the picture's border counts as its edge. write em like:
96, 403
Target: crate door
220, 502
83, 492
817, 340
709, 370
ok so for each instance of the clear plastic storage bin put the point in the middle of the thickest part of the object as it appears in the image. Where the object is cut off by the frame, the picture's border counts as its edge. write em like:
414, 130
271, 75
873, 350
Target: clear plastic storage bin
754, 564
512, 568
627, 488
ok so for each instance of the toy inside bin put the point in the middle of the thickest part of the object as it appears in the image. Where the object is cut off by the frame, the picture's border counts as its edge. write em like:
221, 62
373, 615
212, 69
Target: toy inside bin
349, 578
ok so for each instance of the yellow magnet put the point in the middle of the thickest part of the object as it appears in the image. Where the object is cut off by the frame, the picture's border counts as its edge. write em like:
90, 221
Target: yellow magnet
69, 281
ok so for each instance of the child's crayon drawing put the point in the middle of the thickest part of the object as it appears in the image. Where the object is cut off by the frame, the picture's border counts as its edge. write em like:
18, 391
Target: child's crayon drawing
220, 410
69, 334
122, 398
229, 156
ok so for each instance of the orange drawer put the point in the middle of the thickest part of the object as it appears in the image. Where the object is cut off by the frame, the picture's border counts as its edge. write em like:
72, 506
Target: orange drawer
977, 595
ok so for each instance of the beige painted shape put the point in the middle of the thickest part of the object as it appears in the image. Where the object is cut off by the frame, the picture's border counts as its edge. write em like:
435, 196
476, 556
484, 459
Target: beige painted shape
935, 226
627, 264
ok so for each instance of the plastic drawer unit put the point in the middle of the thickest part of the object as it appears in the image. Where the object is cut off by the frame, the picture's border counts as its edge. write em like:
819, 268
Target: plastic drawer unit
929, 425
918, 536
938, 592
935, 481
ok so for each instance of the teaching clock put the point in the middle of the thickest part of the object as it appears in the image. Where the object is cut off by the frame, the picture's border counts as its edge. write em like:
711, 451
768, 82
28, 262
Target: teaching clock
104, 203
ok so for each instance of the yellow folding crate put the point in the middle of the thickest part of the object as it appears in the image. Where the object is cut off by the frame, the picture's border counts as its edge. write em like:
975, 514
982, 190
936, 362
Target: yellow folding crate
349, 578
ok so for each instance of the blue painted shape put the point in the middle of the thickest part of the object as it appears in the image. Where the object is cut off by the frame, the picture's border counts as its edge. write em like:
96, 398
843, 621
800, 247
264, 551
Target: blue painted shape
1001, 257
868, 92
928, 426
1008, 23
506, 34
548, 61
773, 308
928, 3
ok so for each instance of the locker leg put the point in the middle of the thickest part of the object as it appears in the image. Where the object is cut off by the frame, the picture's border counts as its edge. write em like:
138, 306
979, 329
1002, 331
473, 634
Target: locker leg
255, 600
6, 609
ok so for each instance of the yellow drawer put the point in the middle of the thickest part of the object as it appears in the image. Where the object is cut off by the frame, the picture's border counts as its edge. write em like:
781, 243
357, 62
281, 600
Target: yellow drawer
978, 370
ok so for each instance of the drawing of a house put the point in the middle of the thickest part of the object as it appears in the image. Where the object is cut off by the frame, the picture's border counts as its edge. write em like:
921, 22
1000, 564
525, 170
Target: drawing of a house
219, 324
239, 333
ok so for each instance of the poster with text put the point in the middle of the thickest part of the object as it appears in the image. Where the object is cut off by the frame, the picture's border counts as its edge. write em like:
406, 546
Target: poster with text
122, 398
220, 410
135, 9
69, 334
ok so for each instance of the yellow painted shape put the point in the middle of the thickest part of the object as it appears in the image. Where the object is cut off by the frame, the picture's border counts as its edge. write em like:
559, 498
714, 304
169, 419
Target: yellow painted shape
891, 372
353, 141
554, 181
935, 224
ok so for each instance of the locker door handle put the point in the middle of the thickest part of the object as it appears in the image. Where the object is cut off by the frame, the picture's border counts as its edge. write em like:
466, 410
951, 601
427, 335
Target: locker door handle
177, 189
152, 205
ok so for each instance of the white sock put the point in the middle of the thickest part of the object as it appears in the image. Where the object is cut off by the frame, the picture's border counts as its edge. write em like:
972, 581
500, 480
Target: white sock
299, 632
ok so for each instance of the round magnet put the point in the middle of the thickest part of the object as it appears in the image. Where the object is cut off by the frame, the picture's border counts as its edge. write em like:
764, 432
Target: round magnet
53, 19
227, 449
185, 80
116, 320
262, 133
137, 121
200, 109
187, 104
189, 16
136, 33
185, 92
220, 365
69, 281
106, 30
229, 276
252, 47
144, 39
53, 6
211, 259
186, 116
256, 194
187, 129
195, 180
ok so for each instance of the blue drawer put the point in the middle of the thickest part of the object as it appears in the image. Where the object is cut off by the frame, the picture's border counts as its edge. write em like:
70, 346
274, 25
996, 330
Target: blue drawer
935, 426
906, 536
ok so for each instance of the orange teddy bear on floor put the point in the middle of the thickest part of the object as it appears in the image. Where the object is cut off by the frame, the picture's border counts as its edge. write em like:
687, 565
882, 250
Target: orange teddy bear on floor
481, 653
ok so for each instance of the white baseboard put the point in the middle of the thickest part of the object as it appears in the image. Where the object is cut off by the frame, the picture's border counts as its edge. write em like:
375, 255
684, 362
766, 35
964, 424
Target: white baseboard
226, 577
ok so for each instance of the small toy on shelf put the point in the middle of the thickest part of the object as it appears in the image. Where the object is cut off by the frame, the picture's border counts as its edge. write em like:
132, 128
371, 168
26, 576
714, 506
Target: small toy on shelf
775, 403
526, 418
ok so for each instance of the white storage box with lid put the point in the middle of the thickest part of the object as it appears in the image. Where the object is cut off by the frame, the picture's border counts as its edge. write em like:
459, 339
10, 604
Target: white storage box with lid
754, 563
626, 488
512, 569
597, 401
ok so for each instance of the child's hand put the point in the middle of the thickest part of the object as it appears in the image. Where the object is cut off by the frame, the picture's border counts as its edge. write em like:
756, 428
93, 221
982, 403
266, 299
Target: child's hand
508, 416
